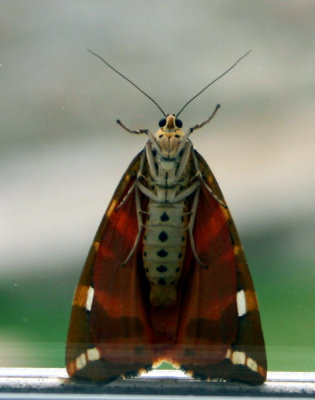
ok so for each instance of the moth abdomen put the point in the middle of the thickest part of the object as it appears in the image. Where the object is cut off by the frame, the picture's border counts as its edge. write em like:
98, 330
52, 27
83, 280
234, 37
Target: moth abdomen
164, 250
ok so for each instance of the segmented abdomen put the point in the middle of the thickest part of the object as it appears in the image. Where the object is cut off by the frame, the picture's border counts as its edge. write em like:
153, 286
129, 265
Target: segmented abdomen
164, 248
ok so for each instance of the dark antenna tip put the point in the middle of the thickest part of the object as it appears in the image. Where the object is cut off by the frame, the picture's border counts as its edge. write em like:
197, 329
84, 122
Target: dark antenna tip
128, 80
212, 82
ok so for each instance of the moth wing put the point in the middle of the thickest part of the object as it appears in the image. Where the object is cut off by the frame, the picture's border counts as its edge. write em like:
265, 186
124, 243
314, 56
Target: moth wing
220, 333
108, 326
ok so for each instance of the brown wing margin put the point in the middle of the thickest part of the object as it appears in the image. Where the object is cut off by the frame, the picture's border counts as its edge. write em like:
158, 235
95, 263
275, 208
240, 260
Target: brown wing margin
78, 339
249, 347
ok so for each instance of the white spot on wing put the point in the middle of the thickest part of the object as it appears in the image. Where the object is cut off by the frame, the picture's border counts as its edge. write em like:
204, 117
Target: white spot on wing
228, 353
93, 354
89, 298
238, 357
80, 361
252, 364
241, 303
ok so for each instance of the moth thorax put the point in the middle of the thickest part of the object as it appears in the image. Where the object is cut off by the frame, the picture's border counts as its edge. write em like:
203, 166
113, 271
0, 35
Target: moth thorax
169, 140
164, 248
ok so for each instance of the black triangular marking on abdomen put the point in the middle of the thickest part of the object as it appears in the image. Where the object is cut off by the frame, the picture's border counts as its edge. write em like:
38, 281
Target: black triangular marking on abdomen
163, 236
161, 268
162, 253
164, 217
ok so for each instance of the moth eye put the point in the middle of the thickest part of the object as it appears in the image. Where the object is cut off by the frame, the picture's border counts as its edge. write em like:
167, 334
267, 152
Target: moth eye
160, 136
177, 136
178, 123
162, 122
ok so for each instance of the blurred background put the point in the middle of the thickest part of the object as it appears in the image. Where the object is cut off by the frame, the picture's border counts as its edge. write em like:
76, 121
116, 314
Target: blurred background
62, 153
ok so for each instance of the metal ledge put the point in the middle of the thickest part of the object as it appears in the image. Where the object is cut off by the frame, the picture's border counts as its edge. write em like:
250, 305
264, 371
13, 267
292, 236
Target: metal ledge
45, 382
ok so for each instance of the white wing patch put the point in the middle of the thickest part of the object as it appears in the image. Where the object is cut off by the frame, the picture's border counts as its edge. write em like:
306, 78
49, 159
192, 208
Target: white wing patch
241, 358
238, 357
241, 303
89, 298
80, 361
93, 354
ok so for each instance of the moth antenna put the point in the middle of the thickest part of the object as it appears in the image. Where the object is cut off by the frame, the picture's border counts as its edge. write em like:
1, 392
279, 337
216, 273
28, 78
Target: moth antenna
128, 80
211, 83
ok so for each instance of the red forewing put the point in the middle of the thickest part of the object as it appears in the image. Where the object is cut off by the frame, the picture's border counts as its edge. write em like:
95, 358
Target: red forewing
213, 330
221, 325
108, 321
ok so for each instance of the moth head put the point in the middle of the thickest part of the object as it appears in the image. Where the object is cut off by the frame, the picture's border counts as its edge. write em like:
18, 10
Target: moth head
170, 135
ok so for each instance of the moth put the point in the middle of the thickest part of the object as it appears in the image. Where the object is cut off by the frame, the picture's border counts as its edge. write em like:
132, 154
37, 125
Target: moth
166, 277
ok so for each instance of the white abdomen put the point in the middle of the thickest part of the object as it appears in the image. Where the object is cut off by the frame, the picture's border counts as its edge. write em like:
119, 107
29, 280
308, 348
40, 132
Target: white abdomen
164, 247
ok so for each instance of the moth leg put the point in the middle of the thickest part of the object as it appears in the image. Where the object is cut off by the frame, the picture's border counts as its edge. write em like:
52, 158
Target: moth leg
184, 159
137, 132
211, 192
131, 189
151, 162
140, 227
204, 183
190, 130
123, 201
187, 192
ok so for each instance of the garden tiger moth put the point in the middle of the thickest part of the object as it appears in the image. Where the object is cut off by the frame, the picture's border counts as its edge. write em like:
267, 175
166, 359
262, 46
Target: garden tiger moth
166, 277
